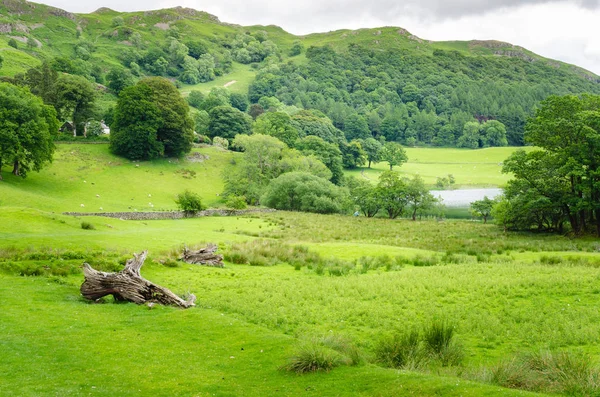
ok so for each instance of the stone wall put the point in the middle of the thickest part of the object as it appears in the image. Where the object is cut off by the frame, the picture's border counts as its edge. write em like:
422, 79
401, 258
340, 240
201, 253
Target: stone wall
143, 216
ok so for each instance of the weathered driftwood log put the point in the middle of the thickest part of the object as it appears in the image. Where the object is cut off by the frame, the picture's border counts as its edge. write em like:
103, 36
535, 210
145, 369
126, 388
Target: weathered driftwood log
204, 256
129, 285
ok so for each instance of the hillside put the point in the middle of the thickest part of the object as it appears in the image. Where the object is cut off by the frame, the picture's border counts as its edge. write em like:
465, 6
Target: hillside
388, 82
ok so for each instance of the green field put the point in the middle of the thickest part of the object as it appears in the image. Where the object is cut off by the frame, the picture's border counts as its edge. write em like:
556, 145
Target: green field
471, 168
506, 294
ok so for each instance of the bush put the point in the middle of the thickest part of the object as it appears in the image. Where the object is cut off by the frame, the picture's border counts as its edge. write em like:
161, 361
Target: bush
237, 202
189, 202
87, 226
220, 142
301, 191
13, 43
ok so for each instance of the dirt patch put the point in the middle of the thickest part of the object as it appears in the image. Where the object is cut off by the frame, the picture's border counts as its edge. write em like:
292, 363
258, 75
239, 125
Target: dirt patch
230, 83
162, 25
196, 157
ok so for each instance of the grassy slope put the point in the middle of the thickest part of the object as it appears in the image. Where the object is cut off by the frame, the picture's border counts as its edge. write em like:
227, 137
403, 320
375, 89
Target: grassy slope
81, 172
507, 303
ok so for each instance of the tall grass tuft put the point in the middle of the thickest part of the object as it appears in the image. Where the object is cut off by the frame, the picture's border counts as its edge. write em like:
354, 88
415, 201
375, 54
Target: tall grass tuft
312, 357
549, 372
401, 351
441, 343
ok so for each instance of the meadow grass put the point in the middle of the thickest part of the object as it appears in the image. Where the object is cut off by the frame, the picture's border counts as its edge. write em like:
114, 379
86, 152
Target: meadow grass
470, 168
296, 288
92, 176
243, 75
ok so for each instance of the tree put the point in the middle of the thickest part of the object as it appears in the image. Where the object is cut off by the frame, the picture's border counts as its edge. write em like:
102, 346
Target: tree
365, 196
195, 98
392, 191
277, 124
356, 127
136, 120
239, 101
393, 154
151, 120
328, 153
299, 191
418, 197
494, 133
189, 202
483, 208
118, 79
297, 48
372, 148
177, 127
27, 128
353, 154
564, 175
227, 122
470, 136
75, 99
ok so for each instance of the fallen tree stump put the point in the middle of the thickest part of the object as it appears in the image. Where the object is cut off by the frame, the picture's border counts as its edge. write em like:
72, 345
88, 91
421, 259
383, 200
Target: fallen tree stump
204, 256
129, 285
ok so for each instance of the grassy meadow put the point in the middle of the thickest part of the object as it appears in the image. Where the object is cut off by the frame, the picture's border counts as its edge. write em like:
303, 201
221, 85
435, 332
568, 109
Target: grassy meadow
333, 287
471, 168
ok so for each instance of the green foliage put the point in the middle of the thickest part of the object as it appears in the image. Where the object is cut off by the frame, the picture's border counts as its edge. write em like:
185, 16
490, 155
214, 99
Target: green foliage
558, 183
483, 208
296, 49
151, 120
118, 79
418, 198
365, 196
236, 202
278, 125
393, 154
372, 148
195, 98
94, 129
27, 129
391, 191
300, 191
13, 43
353, 154
328, 153
134, 131
87, 225
75, 99
189, 202
227, 122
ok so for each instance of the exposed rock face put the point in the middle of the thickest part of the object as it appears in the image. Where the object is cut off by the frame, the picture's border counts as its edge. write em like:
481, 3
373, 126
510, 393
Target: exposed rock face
514, 54
489, 44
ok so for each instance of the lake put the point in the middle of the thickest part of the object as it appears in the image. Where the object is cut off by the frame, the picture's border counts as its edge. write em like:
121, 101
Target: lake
464, 197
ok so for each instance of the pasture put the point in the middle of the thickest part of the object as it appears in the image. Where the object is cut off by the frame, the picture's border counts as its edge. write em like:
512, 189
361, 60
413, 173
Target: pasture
291, 280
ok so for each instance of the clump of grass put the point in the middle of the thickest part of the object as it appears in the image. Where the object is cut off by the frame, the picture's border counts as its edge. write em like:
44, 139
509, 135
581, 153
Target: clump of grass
402, 351
312, 357
548, 372
87, 225
323, 354
440, 342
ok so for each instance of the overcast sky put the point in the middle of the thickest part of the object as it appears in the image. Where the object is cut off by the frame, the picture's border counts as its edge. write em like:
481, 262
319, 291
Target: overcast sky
564, 30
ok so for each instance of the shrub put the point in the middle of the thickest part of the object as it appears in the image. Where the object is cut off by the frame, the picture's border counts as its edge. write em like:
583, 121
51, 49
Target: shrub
87, 226
189, 202
13, 43
236, 202
220, 142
